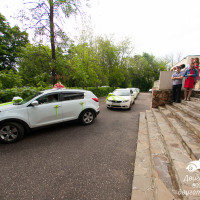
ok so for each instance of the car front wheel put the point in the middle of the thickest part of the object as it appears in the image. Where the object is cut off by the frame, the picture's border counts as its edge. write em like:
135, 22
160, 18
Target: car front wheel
87, 117
129, 108
11, 132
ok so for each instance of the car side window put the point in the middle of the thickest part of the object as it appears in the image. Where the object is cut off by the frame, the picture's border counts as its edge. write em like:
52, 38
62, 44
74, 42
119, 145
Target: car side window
72, 96
50, 98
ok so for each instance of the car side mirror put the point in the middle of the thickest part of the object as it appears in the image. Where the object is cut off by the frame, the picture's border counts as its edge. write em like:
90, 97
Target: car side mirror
35, 103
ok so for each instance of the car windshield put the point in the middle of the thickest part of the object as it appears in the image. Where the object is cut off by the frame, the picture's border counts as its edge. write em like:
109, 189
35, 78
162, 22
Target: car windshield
121, 93
134, 90
30, 97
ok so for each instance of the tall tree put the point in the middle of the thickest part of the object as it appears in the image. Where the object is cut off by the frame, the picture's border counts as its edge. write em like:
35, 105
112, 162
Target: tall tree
11, 42
35, 68
109, 61
34, 65
43, 18
172, 59
145, 70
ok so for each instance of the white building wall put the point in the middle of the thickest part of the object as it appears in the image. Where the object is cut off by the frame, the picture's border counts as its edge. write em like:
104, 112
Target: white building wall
186, 60
165, 80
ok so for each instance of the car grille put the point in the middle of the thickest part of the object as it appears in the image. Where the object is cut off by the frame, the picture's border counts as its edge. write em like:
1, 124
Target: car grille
113, 101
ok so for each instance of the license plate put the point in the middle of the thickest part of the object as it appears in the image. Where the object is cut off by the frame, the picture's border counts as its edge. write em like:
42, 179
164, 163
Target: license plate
115, 104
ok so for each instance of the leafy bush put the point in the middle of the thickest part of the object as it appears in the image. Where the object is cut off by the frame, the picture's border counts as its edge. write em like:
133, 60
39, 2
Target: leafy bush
8, 94
10, 79
101, 91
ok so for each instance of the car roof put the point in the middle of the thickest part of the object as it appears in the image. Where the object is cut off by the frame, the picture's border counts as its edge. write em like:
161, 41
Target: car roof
123, 89
63, 90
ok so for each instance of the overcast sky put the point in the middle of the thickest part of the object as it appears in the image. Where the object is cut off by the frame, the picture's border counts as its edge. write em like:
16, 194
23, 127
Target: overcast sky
158, 27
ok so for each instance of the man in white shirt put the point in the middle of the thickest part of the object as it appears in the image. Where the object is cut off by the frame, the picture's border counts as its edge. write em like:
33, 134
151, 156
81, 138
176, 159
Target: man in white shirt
177, 84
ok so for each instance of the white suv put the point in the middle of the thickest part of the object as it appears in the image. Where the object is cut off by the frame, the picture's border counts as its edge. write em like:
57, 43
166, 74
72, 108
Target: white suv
45, 108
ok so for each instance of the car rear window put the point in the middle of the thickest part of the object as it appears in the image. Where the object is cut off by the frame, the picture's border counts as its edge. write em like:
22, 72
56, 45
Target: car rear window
72, 96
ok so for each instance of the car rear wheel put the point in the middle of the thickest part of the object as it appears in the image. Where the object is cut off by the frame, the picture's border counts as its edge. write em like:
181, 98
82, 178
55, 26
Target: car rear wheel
87, 117
11, 132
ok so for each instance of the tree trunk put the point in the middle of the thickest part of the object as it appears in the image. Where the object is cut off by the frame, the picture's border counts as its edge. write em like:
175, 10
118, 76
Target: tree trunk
52, 36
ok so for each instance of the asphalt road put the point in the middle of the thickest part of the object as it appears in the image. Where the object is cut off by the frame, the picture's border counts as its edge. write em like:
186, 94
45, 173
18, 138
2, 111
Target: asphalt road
74, 162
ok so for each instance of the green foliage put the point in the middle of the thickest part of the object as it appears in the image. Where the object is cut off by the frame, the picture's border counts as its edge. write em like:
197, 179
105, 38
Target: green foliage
10, 79
145, 70
98, 62
11, 42
42, 17
82, 60
101, 91
24, 92
94, 63
88, 62
8, 94
35, 65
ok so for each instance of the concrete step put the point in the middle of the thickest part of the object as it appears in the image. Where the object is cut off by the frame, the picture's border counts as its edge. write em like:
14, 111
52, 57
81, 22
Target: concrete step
189, 140
164, 185
188, 110
195, 99
197, 95
189, 121
143, 183
179, 159
193, 104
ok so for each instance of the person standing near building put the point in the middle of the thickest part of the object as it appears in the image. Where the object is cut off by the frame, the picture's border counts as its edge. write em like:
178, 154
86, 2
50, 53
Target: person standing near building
177, 84
190, 75
196, 66
188, 65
